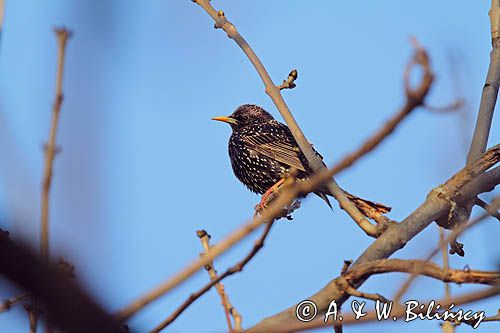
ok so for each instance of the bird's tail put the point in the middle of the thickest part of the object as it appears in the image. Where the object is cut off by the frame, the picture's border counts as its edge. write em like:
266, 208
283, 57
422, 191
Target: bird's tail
367, 207
323, 196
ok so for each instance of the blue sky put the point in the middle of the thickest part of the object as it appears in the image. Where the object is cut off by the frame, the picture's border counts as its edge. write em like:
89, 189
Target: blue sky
142, 166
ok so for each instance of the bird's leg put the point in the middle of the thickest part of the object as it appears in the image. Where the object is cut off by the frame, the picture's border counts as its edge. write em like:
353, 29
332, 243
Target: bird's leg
288, 177
265, 197
271, 190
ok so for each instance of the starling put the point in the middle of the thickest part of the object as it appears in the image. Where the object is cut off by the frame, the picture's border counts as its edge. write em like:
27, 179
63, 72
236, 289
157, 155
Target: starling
262, 150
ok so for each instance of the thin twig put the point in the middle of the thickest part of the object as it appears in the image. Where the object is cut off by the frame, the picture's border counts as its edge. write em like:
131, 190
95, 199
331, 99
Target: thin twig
473, 322
238, 328
33, 314
493, 212
446, 265
454, 234
455, 106
10, 302
62, 35
422, 267
400, 311
447, 327
259, 244
274, 92
50, 149
205, 238
374, 297
415, 97
493, 318
337, 326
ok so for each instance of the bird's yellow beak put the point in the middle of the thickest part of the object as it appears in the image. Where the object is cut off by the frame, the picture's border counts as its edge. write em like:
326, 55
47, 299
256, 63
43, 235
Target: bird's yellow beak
228, 120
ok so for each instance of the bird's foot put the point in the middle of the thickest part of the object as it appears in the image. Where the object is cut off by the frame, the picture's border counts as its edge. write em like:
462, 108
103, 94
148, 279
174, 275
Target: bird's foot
269, 195
272, 193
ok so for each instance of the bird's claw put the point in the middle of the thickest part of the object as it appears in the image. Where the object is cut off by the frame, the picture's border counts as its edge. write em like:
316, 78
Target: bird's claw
267, 197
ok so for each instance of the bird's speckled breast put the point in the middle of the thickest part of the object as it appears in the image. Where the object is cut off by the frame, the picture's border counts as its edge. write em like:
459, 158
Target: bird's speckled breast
254, 170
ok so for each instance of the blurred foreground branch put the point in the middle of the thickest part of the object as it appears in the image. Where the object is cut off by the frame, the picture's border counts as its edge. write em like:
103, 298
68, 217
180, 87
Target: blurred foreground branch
66, 305
9, 303
415, 97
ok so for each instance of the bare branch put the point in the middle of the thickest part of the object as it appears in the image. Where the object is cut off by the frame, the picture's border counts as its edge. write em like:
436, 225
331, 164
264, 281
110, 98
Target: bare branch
33, 314
10, 302
415, 97
50, 151
493, 318
447, 327
205, 241
438, 202
422, 267
455, 106
485, 114
493, 212
66, 305
259, 244
374, 297
337, 326
62, 35
486, 319
451, 238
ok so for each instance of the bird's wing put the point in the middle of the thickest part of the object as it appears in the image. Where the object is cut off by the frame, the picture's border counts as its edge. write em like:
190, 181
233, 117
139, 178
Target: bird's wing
276, 144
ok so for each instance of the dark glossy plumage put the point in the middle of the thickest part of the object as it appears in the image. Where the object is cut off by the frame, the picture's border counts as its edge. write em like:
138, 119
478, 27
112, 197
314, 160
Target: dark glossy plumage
261, 149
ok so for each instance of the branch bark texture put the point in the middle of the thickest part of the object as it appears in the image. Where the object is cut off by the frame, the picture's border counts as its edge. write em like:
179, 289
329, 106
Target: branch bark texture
486, 110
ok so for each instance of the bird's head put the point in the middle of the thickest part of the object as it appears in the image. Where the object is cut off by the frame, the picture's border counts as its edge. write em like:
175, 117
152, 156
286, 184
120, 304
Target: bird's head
246, 114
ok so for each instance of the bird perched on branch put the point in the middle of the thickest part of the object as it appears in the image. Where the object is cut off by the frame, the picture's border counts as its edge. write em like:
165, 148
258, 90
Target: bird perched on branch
262, 150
